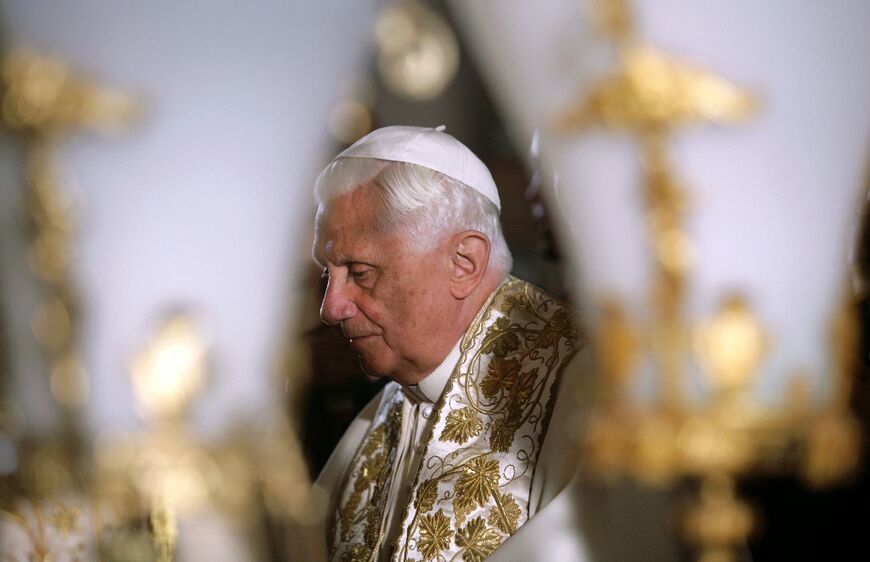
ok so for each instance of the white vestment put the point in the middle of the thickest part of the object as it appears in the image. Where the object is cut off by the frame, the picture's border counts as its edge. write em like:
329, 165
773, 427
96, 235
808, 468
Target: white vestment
553, 533
550, 498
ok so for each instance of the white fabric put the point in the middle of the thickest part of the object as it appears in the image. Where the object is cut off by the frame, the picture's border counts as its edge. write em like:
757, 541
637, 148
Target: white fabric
430, 148
555, 469
416, 424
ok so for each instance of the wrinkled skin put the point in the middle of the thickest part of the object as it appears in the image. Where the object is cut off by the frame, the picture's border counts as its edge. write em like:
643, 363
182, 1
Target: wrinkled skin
392, 302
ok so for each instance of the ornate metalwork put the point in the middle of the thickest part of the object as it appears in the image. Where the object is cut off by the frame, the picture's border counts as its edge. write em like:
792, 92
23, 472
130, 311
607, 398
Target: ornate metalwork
650, 96
41, 102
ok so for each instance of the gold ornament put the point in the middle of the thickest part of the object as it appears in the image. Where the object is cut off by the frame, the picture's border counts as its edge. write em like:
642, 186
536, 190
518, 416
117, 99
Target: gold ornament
650, 96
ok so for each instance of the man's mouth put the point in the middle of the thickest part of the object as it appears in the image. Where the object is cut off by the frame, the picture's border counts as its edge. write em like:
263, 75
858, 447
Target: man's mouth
357, 340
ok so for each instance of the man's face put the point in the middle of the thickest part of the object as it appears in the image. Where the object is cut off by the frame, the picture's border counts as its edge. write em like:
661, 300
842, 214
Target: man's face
392, 302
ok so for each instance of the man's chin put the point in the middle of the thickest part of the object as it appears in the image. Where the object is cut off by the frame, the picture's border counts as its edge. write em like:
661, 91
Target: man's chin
370, 373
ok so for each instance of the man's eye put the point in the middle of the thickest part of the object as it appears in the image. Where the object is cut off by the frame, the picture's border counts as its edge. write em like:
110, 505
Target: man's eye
360, 274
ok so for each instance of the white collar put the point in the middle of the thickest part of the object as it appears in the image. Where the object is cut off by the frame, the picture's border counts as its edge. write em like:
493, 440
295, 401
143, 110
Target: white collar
430, 388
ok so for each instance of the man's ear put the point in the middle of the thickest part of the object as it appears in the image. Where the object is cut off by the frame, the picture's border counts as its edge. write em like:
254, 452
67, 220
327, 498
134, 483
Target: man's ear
469, 262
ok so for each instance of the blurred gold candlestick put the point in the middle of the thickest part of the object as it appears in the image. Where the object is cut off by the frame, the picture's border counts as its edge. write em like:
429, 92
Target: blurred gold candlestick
725, 435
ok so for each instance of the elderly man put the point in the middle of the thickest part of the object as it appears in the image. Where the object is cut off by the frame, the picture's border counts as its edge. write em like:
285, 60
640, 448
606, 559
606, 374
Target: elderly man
454, 455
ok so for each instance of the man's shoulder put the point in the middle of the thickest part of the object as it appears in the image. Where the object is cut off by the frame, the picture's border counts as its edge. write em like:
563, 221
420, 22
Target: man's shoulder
354, 435
515, 289
520, 301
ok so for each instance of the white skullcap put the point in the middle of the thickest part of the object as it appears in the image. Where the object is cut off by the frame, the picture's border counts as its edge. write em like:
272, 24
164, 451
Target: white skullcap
429, 148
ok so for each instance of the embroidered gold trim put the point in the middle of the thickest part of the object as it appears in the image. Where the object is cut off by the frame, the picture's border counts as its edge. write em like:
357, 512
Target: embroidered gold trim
355, 533
435, 535
489, 425
471, 490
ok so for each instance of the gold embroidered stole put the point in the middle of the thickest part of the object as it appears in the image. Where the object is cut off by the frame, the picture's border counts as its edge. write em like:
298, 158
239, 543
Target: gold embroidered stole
472, 487
355, 530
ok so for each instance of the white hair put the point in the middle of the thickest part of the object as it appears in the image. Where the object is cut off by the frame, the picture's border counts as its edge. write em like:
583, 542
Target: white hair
422, 203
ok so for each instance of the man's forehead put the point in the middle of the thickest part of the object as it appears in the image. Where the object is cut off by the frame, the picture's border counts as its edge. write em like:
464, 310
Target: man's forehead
343, 238
356, 211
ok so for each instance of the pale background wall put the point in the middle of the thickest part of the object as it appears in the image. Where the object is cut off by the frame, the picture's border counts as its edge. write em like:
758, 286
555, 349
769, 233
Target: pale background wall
202, 202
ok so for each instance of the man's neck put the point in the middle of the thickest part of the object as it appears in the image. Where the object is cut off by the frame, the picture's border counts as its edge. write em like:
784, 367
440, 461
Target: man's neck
430, 387
471, 307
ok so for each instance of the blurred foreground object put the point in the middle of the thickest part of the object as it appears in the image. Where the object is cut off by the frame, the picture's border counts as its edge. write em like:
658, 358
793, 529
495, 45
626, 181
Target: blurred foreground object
43, 103
200, 499
418, 54
202, 206
46, 516
718, 292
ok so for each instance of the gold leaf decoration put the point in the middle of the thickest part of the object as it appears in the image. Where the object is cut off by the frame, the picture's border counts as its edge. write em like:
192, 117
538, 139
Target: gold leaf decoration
499, 340
520, 301
502, 388
502, 433
476, 540
522, 391
462, 508
499, 377
558, 326
461, 425
505, 514
426, 495
500, 325
375, 440
435, 535
478, 481
372, 530
355, 530
506, 344
357, 553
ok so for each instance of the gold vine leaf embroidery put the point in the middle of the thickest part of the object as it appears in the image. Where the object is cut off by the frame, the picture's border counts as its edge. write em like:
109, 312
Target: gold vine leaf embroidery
461, 425
347, 512
426, 496
522, 389
375, 440
505, 515
513, 301
435, 533
499, 340
500, 376
371, 533
501, 435
559, 326
478, 481
369, 466
462, 510
477, 540
357, 553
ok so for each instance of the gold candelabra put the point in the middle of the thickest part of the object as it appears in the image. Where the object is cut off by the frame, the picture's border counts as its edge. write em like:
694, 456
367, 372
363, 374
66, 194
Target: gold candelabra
42, 102
122, 498
728, 434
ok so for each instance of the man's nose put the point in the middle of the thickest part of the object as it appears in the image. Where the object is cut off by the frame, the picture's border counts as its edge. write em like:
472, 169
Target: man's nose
336, 306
